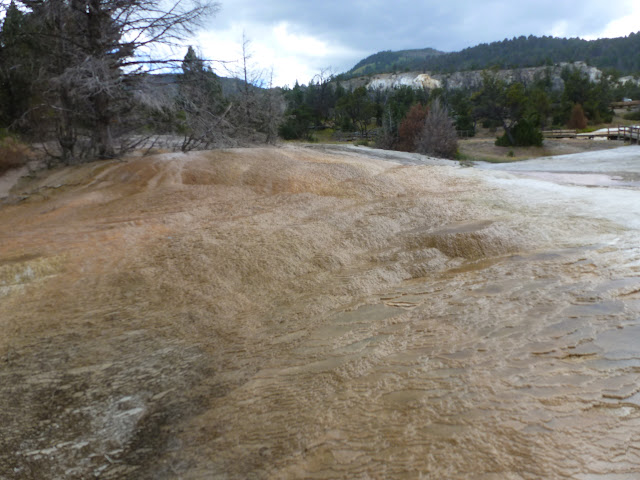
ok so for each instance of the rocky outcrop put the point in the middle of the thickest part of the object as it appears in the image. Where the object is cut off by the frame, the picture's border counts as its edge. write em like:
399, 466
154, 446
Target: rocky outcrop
473, 79
387, 81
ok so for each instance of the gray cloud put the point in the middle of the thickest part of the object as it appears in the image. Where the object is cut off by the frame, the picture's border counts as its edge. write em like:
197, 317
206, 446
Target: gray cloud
377, 24
356, 28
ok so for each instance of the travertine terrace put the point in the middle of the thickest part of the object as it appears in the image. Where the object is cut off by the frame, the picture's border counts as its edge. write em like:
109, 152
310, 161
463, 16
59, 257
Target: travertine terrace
314, 313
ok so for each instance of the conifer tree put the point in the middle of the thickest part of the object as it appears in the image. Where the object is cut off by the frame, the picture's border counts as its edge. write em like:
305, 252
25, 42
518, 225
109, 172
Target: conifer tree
91, 54
18, 69
202, 105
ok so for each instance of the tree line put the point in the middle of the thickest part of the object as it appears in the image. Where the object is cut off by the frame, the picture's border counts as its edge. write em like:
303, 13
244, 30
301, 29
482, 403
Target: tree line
79, 77
522, 110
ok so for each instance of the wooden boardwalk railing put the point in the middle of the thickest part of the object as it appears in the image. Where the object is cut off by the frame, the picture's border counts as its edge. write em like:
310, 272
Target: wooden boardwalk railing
559, 133
621, 132
630, 133
629, 104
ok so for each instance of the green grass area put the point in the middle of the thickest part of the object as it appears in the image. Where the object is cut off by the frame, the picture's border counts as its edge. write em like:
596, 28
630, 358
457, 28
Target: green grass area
325, 135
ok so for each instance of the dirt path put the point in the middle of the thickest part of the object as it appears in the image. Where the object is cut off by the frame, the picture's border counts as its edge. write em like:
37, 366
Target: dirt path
294, 313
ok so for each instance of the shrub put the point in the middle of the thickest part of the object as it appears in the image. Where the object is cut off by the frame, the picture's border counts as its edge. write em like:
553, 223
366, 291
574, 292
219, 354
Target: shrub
346, 125
632, 116
578, 120
293, 129
411, 128
287, 131
525, 134
13, 154
465, 126
438, 137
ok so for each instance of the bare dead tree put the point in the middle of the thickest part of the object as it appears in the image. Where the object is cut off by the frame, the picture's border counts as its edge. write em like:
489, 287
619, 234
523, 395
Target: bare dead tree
96, 52
438, 137
247, 114
325, 92
272, 107
202, 110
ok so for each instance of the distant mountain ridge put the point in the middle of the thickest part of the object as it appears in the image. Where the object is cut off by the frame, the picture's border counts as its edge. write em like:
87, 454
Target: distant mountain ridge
388, 61
620, 54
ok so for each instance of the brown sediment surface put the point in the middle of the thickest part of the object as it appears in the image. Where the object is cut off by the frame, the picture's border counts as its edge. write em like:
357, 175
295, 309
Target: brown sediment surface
296, 313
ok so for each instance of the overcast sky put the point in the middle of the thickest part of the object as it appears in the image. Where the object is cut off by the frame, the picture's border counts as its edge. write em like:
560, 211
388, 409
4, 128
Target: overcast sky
299, 38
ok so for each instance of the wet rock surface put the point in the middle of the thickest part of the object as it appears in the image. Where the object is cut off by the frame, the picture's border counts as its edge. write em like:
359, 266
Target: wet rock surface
109, 419
508, 370
289, 313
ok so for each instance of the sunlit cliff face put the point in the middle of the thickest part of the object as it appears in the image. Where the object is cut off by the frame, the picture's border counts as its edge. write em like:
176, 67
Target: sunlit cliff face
314, 313
473, 79
391, 81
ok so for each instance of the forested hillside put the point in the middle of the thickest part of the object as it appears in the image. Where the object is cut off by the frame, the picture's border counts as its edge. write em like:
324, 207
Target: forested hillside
620, 55
388, 61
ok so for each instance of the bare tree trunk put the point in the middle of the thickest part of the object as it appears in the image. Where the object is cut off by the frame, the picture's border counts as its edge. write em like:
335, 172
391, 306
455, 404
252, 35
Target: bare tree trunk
507, 130
272, 112
66, 132
99, 38
103, 139
246, 56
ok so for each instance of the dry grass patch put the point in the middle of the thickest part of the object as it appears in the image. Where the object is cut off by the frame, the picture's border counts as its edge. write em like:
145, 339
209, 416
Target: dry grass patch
13, 154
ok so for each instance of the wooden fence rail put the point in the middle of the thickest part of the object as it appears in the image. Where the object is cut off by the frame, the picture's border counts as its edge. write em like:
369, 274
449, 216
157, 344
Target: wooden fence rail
621, 132
559, 133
